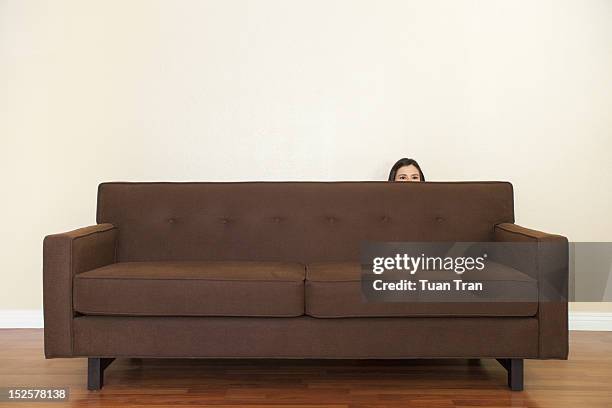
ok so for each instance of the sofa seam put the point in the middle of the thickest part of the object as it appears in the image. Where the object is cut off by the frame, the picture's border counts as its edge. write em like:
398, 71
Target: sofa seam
289, 182
466, 280
524, 234
135, 314
538, 269
182, 279
71, 302
310, 356
416, 315
112, 227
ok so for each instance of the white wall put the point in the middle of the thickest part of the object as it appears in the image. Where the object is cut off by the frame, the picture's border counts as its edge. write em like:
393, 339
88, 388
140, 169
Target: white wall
298, 90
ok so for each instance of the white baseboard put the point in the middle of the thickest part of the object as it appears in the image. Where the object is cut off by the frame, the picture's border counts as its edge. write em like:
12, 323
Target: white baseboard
21, 319
591, 321
26, 318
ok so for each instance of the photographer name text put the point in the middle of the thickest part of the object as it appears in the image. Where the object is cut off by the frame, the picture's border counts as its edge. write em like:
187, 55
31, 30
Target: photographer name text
427, 285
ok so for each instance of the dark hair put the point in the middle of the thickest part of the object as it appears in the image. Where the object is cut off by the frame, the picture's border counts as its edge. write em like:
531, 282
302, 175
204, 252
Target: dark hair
405, 162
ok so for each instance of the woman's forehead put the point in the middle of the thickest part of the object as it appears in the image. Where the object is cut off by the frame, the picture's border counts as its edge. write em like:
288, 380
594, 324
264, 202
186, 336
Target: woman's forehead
411, 168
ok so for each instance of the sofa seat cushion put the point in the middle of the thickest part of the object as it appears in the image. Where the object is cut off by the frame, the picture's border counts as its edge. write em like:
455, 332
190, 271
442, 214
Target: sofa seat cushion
333, 289
192, 289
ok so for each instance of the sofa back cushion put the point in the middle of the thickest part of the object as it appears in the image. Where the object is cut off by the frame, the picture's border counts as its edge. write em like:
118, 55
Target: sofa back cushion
294, 221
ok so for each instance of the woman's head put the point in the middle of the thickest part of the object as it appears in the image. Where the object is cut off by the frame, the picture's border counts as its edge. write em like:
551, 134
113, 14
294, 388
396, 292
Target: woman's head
406, 170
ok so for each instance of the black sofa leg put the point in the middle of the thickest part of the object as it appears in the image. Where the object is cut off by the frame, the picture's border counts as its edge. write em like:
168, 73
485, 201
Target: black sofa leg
95, 372
514, 366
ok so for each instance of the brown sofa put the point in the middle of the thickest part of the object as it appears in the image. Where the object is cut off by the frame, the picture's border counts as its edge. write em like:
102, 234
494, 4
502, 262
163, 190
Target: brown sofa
271, 270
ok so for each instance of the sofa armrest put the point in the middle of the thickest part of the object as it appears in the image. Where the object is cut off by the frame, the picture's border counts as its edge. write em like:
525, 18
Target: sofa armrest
547, 260
65, 255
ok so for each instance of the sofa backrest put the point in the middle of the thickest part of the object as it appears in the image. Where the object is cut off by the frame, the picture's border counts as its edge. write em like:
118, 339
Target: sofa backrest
294, 221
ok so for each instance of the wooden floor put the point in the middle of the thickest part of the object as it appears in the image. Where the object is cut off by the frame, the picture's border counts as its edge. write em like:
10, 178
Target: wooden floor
585, 380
